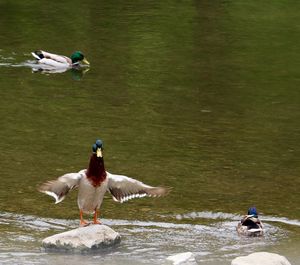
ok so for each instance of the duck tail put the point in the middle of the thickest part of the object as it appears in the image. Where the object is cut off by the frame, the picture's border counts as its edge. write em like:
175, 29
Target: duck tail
38, 55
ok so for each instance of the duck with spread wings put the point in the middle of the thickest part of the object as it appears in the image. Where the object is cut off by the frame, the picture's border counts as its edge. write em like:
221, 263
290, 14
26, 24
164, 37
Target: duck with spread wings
92, 183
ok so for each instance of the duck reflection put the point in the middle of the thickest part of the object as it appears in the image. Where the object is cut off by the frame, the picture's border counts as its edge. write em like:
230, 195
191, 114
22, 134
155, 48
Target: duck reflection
77, 73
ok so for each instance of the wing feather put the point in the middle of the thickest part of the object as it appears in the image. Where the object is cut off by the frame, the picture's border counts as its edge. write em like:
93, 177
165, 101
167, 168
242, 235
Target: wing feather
124, 188
60, 187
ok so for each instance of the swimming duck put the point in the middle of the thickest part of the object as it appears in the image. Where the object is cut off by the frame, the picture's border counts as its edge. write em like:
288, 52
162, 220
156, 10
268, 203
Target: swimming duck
250, 225
93, 182
59, 61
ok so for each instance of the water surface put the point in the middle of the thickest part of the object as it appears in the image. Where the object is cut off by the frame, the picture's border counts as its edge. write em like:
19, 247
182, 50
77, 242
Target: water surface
201, 96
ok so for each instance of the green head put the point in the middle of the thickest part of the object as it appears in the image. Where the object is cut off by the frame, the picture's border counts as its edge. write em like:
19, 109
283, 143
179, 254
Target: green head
98, 148
77, 57
253, 211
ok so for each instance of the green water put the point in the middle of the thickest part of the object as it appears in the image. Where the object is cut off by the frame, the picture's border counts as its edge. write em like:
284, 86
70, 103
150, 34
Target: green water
202, 96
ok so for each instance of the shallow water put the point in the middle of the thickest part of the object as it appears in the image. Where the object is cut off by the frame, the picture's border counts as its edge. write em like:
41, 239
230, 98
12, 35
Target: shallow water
147, 242
199, 96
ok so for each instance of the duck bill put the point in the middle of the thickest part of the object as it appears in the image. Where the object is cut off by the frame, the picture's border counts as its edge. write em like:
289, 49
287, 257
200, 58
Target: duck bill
99, 152
85, 61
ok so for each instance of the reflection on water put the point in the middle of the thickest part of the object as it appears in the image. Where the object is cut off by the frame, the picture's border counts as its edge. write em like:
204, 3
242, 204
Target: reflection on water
76, 73
142, 242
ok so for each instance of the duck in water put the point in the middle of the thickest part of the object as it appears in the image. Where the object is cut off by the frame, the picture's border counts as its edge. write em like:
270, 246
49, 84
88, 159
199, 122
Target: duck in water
250, 225
51, 60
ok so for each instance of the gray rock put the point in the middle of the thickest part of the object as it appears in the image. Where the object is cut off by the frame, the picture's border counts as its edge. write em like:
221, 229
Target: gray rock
187, 258
82, 239
259, 258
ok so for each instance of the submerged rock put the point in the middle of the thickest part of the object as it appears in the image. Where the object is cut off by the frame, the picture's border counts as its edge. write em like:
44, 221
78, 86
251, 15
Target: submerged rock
259, 258
82, 239
182, 258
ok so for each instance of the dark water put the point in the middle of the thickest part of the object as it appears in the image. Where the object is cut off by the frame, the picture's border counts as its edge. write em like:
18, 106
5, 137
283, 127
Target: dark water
202, 96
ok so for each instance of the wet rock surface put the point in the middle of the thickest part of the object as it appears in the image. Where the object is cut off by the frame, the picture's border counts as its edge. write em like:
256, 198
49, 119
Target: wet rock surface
82, 239
259, 258
187, 258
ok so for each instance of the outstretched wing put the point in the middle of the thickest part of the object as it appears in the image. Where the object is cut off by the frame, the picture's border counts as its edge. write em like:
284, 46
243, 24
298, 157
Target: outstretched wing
60, 187
124, 188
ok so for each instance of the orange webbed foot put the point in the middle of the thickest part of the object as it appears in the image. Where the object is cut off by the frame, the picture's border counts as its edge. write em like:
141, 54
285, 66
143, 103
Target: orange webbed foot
97, 222
83, 223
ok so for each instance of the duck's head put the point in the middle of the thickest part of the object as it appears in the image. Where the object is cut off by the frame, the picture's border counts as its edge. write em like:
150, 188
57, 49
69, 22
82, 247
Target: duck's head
98, 148
77, 57
253, 211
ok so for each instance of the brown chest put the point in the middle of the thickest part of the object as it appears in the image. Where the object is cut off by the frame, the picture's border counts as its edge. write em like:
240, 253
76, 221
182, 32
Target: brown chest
96, 180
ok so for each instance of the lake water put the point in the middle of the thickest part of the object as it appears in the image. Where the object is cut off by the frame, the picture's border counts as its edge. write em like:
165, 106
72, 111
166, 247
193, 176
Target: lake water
201, 96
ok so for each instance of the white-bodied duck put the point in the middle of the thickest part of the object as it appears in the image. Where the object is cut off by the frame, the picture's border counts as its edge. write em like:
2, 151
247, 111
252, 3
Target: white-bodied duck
52, 60
92, 183
250, 225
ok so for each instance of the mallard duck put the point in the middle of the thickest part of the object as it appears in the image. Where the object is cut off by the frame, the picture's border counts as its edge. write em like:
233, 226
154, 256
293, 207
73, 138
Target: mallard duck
59, 61
250, 225
93, 182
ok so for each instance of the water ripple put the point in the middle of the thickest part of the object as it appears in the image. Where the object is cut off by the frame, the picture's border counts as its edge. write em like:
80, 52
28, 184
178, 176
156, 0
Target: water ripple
229, 216
145, 240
